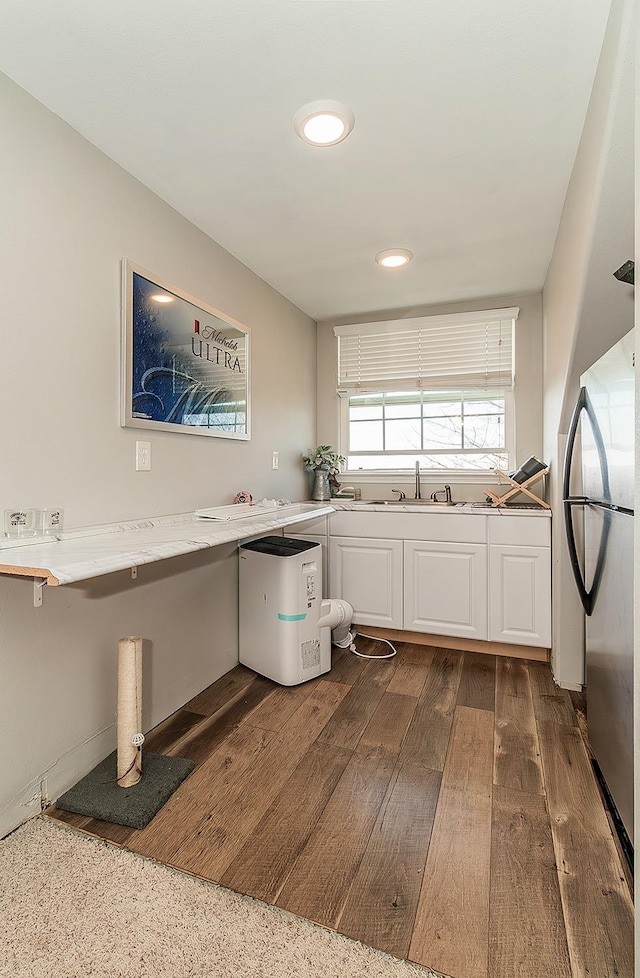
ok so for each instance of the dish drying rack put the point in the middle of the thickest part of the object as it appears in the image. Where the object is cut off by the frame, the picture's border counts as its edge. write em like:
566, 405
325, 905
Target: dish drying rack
516, 487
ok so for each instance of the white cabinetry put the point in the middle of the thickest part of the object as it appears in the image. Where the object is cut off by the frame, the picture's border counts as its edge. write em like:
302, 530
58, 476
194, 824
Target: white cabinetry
368, 574
471, 575
445, 588
520, 581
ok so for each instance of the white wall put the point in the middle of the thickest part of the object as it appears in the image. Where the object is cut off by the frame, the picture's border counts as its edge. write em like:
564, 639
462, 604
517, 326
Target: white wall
59, 665
69, 216
585, 310
528, 392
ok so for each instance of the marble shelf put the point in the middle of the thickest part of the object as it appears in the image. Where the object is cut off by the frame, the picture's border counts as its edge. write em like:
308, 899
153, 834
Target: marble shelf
77, 555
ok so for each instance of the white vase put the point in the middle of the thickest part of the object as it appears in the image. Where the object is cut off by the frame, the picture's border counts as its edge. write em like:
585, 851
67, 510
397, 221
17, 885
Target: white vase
321, 489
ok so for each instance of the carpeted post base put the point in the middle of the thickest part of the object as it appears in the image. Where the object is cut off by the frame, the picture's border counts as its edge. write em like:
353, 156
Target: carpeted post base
99, 796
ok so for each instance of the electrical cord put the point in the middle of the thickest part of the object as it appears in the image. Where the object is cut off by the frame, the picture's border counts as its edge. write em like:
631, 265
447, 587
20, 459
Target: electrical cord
374, 638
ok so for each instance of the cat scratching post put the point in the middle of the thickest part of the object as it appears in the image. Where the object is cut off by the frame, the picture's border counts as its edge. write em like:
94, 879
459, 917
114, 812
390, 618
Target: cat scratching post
99, 794
129, 766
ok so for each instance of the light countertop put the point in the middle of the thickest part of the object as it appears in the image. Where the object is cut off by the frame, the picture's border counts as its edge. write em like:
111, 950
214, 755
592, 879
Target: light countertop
484, 509
77, 555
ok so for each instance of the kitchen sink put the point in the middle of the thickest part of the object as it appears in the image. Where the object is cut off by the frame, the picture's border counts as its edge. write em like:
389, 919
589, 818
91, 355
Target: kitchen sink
410, 502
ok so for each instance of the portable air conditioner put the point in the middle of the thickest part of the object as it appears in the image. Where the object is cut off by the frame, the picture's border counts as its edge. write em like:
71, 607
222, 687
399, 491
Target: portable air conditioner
285, 626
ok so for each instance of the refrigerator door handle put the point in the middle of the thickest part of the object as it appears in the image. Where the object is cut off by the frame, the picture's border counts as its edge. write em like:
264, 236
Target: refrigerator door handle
587, 596
584, 404
571, 443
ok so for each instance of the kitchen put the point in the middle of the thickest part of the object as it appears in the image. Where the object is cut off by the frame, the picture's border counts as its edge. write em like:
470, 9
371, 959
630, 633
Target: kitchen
68, 224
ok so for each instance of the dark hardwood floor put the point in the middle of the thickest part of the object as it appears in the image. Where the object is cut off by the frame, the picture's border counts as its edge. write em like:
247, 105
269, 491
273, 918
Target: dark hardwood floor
440, 806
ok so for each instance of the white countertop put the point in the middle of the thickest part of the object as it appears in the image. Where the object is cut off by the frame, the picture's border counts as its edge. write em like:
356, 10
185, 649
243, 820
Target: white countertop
77, 555
484, 509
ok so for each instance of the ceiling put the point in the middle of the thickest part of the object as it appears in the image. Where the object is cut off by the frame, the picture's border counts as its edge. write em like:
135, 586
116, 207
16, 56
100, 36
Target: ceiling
468, 116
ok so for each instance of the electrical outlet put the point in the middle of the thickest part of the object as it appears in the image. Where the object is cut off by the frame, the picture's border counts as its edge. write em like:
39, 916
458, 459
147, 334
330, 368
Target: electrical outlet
275, 460
143, 456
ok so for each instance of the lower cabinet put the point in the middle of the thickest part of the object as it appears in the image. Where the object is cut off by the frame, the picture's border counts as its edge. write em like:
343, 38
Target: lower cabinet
496, 587
520, 595
445, 588
368, 574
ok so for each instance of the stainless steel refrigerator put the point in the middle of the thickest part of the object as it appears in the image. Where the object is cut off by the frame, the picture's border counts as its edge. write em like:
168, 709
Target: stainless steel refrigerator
602, 434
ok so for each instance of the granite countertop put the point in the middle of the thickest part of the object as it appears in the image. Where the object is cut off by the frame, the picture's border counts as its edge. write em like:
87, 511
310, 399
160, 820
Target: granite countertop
77, 555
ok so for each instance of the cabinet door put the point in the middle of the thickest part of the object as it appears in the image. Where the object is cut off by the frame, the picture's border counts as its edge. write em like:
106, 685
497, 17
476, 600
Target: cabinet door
445, 588
368, 574
520, 595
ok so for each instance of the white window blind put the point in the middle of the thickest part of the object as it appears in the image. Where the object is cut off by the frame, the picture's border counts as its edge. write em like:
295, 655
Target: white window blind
469, 351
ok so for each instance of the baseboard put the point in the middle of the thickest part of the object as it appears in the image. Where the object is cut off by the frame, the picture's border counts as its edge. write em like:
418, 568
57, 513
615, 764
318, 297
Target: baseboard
23, 806
56, 779
463, 644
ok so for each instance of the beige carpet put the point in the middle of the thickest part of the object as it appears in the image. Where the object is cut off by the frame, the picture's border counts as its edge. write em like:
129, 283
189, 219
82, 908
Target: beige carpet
72, 907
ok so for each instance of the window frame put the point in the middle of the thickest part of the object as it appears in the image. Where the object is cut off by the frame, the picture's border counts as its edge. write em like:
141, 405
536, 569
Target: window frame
459, 475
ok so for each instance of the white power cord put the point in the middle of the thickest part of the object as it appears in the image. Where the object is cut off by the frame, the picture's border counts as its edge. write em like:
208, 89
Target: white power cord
374, 638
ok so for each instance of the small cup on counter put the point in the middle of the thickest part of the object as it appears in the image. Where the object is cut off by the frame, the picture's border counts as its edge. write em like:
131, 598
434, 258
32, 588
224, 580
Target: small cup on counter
52, 520
21, 522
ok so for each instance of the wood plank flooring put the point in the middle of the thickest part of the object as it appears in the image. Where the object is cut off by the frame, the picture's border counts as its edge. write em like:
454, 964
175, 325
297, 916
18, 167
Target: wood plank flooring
439, 806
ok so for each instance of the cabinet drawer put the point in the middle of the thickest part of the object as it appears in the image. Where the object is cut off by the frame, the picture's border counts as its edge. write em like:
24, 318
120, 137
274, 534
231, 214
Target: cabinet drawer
439, 527
316, 527
520, 531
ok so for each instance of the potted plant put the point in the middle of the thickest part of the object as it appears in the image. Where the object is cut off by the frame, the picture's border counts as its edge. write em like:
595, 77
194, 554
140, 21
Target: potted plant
325, 463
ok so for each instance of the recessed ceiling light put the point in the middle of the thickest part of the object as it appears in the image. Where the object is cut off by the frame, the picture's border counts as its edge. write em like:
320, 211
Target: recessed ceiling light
161, 298
323, 123
394, 258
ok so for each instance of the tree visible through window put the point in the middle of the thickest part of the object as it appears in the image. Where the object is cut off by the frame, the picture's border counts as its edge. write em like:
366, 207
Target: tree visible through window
442, 431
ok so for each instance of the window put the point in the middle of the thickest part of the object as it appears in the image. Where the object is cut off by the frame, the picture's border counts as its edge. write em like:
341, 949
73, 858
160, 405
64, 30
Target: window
437, 391
443, 431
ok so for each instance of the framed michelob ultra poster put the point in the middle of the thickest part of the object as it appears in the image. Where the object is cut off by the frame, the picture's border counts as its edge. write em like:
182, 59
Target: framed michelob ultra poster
185, 365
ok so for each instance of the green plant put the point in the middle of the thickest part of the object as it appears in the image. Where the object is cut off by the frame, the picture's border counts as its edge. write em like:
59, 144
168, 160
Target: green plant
323, 457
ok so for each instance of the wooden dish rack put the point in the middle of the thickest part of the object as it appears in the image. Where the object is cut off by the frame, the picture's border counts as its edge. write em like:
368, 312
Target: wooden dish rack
516, 487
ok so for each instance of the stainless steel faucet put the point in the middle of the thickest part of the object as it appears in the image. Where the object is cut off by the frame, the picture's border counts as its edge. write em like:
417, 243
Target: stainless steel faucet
447, 494
418, 494
401, 494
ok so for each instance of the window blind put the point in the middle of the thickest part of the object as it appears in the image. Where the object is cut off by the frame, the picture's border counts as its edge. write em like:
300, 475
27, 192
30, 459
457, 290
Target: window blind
465, 352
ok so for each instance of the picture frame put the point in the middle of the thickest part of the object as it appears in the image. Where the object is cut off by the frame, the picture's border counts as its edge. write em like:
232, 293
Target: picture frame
185, 364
